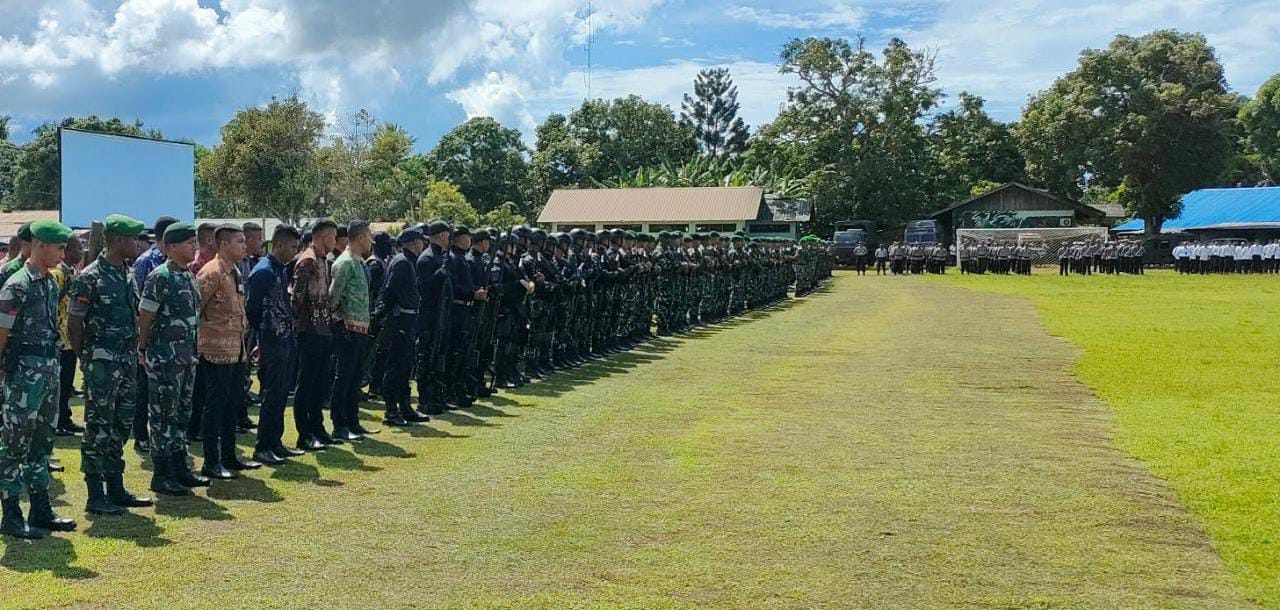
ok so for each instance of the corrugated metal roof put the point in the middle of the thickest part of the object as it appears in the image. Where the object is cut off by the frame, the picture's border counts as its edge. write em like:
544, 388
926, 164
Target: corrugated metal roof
1220, 208
10, 222
727, 204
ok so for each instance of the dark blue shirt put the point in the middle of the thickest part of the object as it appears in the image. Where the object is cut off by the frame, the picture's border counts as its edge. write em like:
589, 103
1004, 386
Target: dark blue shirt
267, 303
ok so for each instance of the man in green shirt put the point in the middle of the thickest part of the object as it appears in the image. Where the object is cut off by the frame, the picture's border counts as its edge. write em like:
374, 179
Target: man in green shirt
103, 329
349, 297
29, 401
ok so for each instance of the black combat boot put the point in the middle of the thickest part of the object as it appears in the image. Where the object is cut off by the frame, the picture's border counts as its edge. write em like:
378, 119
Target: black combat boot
43, 517
182, 473
98, 503
13, 524
120, 496
162, 481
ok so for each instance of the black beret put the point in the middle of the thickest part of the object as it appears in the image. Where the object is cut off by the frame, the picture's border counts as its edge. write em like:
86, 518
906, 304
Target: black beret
163, 223
437, 227
342, 231
382, 237
480, 236
461, 230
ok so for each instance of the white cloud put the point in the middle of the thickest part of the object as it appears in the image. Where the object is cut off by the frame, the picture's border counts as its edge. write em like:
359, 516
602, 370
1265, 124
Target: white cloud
500, 96
838, 16
1010, 50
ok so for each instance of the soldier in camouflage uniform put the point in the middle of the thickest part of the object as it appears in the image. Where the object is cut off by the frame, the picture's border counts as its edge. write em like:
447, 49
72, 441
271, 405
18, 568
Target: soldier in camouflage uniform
103, 330
168, 314
29, 344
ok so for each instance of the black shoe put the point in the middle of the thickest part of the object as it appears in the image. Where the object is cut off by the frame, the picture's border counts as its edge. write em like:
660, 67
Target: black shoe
218, 471
247, 424
363, 431
56, 466
328, 439
268, 458
14, 525
60, 431
414, 415
343, 434
120, 496
182, 473
281, 451
236, 463
98, 504
71, 426
43, 517
394, 419
310, 443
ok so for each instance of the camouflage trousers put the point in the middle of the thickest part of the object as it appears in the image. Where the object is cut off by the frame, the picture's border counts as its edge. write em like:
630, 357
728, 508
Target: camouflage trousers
171, 388
28, 408
109, 403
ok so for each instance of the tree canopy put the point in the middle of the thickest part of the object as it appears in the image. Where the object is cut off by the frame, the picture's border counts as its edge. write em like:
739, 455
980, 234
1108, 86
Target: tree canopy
712, 114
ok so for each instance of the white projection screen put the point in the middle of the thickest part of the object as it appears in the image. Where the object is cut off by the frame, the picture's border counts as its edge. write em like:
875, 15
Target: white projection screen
110, 174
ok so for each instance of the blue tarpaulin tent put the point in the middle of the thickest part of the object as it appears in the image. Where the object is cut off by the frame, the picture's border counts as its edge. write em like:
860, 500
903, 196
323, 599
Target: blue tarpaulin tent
1222, 208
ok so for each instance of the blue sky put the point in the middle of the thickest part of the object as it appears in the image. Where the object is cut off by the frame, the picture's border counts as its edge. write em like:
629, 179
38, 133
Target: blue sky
185, 66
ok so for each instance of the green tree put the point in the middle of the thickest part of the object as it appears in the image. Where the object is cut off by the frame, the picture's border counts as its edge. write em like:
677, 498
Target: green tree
484, 159
9, 154
267, 159
712, 113
208, 204
444, 201
1260, 123
971, 148
37, 183
629, 132
852, 130
504, 216
1148, 118
559, 160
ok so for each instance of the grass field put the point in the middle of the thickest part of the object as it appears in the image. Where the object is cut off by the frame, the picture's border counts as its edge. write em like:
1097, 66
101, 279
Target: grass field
1191, 368
885, 443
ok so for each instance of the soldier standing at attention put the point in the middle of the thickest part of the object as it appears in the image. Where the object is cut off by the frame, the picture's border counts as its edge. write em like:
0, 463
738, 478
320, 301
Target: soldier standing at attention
398, 306
29, 402
349, 294
18, 257
314, 320
146, 263
270, 314
102, 327
220, 343
168, 313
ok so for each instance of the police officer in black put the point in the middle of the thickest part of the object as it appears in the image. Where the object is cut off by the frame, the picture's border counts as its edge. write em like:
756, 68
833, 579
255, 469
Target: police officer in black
433, 324
463, 297
397, 310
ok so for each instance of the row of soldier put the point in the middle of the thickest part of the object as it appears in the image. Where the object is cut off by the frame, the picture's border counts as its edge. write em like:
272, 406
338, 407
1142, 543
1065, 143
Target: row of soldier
1109, 257
463, 313
1227, 257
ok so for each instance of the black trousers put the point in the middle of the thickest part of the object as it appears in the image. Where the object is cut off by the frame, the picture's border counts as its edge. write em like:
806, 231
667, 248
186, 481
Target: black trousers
344, 401
224, 392
397, 343
197, 405
275, 371
66, 379
314, 364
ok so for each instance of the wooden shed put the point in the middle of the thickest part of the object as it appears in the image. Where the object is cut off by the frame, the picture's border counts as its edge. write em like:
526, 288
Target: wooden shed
1016, 206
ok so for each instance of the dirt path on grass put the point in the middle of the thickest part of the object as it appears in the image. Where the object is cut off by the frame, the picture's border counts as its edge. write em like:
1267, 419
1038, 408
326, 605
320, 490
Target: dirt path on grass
886, 443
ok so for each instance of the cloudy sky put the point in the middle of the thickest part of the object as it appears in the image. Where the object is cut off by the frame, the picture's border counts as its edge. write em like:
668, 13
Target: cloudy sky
185, 66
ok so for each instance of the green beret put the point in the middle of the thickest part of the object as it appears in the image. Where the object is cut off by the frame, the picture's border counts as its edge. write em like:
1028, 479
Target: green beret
50, 231
119, 224
179, 232
24, 232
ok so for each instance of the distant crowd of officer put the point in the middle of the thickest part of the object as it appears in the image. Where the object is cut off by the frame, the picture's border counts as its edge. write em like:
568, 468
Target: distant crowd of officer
1200, 258
1109, 257
173, 327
